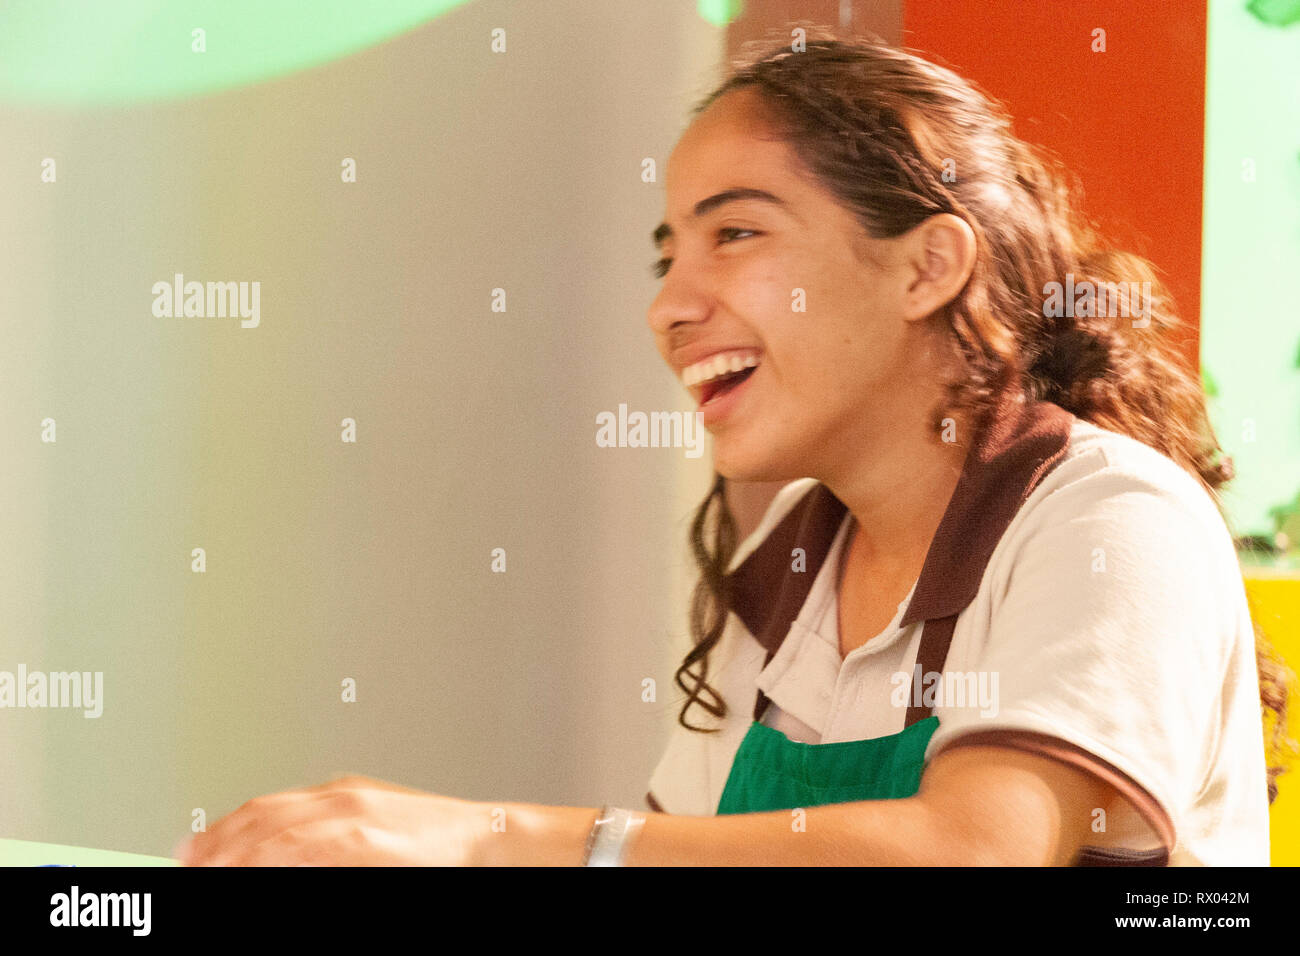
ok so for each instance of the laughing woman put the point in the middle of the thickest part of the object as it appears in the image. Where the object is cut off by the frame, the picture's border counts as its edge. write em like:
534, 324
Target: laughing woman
995, 614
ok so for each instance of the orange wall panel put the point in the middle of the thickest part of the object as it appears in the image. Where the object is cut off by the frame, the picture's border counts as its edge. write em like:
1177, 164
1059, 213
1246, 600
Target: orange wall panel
1130, 121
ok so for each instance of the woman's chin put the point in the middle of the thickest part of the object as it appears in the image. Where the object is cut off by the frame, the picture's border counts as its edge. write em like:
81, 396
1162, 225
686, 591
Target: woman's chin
751, 468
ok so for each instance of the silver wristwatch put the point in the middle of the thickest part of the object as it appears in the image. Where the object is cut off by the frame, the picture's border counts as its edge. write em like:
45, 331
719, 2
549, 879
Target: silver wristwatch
610, 837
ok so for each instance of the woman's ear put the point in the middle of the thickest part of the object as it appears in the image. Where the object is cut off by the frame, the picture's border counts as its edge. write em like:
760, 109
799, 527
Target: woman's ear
941, 255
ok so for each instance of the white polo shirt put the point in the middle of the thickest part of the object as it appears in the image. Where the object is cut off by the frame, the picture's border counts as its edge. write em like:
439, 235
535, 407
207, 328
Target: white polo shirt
1109, 630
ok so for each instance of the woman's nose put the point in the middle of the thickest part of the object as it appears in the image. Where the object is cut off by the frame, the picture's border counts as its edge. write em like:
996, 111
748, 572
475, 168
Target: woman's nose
679, 301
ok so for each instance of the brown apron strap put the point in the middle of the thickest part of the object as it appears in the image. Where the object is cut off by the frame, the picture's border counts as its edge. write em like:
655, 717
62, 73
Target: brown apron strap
936, 638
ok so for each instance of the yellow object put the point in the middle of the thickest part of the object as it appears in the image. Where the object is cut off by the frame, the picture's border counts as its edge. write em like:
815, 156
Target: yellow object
1275, 607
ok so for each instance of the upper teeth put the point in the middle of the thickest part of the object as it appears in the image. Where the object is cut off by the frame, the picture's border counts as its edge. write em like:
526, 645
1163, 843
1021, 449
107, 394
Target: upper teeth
714, 366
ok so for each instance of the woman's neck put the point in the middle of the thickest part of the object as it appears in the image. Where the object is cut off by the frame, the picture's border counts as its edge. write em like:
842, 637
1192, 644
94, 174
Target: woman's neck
898, 491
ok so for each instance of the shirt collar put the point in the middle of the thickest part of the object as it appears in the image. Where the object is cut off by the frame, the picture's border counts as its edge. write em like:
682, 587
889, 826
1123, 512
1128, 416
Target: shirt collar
1022, 442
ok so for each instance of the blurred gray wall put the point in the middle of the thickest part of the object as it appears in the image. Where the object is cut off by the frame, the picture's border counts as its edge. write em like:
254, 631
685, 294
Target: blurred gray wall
476, 429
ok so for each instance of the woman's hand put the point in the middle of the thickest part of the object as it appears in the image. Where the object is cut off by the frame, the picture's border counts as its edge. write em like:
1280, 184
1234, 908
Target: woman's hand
354, 821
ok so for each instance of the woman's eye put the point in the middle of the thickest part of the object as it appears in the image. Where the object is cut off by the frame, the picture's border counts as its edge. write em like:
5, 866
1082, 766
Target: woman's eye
730, 230
660, 268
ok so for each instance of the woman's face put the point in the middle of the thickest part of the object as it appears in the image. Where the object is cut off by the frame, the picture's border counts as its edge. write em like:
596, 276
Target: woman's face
774, 280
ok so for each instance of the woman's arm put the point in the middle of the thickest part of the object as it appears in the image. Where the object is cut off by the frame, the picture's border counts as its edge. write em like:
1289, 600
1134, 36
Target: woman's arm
977, 805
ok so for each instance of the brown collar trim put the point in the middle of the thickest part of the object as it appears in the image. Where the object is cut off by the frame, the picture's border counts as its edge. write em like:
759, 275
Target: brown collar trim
767, 609
1022, 443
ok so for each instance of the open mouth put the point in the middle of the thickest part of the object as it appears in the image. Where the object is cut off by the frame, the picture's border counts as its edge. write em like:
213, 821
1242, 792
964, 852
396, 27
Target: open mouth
717, 387
711, 378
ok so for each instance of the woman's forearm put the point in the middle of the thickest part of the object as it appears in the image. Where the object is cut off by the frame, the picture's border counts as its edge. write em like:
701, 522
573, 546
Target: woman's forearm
877, 833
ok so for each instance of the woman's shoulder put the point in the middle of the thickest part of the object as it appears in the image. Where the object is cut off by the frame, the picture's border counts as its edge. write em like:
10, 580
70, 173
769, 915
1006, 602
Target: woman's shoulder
1118, 506
1113, 470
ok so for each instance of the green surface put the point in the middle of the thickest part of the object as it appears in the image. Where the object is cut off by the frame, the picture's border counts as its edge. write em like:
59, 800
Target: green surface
1250, 326
75, 52
719, 12
27, 853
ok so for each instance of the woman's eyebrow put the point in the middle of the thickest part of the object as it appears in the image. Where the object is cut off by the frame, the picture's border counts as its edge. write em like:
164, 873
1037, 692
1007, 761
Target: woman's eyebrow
704, 206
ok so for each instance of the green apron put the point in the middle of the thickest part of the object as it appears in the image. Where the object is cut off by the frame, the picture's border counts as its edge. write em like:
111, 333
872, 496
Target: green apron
773, 772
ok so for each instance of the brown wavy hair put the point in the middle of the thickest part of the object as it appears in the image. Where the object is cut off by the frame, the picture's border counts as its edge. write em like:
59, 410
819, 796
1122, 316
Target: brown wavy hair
898, 139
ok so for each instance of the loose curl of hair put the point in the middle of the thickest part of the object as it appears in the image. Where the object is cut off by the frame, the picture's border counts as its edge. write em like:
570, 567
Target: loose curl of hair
880, 127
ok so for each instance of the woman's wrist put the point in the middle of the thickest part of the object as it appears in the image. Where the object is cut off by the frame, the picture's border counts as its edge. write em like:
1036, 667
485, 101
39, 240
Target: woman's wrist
531, 834
615, 831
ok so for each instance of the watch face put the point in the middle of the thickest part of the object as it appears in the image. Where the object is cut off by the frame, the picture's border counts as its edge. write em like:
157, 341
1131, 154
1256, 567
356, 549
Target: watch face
610, 835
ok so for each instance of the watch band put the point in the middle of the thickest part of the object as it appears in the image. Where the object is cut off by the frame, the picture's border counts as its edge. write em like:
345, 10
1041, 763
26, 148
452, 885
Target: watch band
610, 837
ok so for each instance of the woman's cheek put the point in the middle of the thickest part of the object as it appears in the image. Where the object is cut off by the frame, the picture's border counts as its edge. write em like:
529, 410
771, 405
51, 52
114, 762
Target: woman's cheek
764, 293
